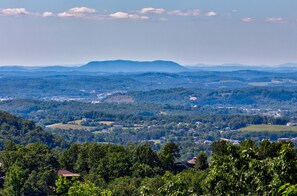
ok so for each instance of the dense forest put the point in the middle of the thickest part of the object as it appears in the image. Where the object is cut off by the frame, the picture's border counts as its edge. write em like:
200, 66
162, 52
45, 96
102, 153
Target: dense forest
25, 132
105, 169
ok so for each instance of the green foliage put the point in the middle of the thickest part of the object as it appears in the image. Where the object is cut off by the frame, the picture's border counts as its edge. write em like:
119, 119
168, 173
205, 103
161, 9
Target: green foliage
288, 189
63, 185
25, 132
126, 186
174, 186
14, 181
250, 170
83, 189
150, 186
169, 153
201, 161
114, 165
30, 169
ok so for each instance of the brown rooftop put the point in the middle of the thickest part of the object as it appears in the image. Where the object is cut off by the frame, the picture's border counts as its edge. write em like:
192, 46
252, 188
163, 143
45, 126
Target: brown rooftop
192, 161
67, 173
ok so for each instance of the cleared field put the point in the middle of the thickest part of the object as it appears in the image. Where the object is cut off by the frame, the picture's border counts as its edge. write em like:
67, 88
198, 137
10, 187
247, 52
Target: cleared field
120, 99
270, 128
106, 122
69, 126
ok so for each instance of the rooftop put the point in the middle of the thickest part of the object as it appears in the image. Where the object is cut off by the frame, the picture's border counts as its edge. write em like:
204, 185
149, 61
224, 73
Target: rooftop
67, 173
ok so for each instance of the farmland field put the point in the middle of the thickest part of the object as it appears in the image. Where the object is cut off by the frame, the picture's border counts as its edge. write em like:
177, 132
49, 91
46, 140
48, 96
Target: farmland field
270, 128
76, 126
106, 122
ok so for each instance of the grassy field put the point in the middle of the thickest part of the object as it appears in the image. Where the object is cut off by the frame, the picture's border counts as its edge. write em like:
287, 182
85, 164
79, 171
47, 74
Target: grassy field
76, 126
270, 128
106, 122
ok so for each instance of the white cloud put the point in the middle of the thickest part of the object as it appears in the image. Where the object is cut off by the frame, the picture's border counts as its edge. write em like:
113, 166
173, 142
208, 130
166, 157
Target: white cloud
276, 20
77, 12
65, 14
14, 11
144, 18
82, 10
211, 14
124, 15
47, 14
150, 10
247, 19
195, 12
90, 13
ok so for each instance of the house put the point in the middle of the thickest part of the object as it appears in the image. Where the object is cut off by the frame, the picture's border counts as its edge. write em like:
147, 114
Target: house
283, 139
192, 162
235, 142
290, 124
67, 174
198, 123
207, 142
192, 98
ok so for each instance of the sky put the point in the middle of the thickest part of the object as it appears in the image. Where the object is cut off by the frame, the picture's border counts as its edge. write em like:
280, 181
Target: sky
63, 32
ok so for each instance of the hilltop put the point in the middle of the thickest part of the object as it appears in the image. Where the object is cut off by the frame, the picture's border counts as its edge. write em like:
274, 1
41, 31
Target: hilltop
132, 66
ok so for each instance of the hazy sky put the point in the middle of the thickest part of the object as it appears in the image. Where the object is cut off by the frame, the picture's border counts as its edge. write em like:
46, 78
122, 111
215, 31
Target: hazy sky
52, 32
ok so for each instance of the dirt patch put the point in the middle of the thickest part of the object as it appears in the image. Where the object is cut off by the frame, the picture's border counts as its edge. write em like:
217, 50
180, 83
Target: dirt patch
119, 99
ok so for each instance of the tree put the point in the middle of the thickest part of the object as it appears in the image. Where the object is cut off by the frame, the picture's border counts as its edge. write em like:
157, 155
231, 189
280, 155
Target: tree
114, 165
40, 182
14, 181
125, 186
68, 157
174, 186
30, 169
201, 161
83, 189
168, 154
145, 155
63, 185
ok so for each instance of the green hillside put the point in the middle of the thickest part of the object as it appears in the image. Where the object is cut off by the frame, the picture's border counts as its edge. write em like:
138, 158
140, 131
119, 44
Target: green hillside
25, 132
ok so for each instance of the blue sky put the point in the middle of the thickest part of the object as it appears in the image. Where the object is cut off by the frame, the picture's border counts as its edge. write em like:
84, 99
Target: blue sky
53, 32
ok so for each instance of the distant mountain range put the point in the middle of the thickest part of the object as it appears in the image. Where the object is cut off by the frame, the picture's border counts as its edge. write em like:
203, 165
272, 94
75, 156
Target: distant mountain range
114, 66
127, 66
288, 67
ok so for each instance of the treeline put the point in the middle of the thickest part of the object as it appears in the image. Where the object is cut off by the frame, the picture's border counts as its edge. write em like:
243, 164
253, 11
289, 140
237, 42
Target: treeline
258, 96
106, 169
50, 112
220, 121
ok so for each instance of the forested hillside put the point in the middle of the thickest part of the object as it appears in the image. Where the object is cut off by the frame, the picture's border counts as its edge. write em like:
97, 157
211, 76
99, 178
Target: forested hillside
25, 132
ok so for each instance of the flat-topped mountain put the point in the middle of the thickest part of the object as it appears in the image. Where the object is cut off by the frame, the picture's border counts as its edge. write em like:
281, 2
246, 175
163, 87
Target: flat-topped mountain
132, 66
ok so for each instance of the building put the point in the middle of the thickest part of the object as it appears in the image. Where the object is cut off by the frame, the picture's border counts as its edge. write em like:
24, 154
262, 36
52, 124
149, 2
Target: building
290, 124
67, 174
